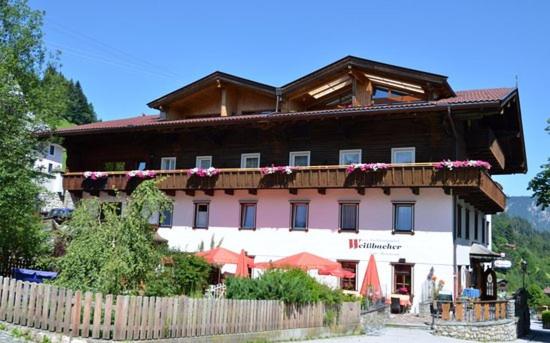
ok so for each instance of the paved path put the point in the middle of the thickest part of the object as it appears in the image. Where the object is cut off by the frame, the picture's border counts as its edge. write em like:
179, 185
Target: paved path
6, 338
400, 335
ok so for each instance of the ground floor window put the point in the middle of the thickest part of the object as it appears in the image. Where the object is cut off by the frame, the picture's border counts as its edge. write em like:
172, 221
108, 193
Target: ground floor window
299, 218
349, 284
165, 218
248, 215
402, 278
349, 216
403, 217
201, 215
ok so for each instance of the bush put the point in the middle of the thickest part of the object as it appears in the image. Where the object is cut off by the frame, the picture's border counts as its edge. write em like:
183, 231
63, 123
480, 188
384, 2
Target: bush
293, 286
187, 275
546, 317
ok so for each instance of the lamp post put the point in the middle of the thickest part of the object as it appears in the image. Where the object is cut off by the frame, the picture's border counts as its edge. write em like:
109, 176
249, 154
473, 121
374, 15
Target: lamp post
523, 270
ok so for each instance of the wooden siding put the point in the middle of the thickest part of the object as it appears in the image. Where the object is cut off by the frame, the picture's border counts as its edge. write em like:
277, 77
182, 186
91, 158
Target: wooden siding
323, 138
474, 185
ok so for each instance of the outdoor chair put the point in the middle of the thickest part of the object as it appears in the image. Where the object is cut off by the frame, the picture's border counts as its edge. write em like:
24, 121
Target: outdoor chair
395, 306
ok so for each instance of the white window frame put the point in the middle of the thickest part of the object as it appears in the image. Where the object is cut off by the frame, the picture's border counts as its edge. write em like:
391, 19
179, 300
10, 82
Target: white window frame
195, 212
293, 154
167, 159
394, 152
251, 155
350, 151
198, 159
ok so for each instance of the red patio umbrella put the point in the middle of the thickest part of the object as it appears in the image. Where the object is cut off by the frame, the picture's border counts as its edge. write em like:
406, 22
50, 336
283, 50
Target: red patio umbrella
303, 260
371, 281
221, 256
242, 265
337, 271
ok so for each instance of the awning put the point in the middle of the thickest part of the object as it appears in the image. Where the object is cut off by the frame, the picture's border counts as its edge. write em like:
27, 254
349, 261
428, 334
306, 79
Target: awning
481, 252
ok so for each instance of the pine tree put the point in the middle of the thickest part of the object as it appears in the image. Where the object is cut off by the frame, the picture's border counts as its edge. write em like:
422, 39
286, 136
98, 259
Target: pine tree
80, 111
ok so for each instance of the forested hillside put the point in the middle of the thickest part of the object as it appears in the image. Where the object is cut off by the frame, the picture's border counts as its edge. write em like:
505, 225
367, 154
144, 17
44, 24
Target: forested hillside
519, 240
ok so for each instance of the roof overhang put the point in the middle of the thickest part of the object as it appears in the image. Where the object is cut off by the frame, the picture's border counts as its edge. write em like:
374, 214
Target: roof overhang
438, 82
481, 252
215, 77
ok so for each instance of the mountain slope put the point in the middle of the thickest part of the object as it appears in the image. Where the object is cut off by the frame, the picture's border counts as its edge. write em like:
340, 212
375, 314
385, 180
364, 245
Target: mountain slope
525, 207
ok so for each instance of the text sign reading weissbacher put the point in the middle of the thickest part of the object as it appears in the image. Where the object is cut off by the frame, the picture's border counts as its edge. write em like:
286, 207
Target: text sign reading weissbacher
384, 246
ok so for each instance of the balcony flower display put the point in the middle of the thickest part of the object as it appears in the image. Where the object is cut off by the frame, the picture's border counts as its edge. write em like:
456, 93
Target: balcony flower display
274, 170
94, 175
450, 165
201, 172
142, 174
366, 167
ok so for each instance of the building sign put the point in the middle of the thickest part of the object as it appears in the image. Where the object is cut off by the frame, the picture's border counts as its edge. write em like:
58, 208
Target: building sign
383, 245
502, 264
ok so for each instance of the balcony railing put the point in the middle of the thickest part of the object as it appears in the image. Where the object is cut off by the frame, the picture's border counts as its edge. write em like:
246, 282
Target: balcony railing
475, 185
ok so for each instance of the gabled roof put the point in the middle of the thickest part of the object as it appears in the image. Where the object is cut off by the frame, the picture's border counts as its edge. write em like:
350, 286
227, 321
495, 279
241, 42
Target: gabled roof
480, 97
436, 80
208, 80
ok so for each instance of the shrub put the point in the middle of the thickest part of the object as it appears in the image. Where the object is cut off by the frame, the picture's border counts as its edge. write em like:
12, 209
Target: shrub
546, 317
293, 286
188, 275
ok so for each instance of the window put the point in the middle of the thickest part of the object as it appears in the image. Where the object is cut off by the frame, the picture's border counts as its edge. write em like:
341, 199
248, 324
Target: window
402, 277
403, 155
50, 167
168, 163
467, 222
248, 215
458, 221
483, 224
204, 162
201, 215
380, 93
52, 149
250, 160
403, 217
476, 224
349, 284
349, 217
141, 165
299, 218
115, 166
165, 218
299, 158
350, 156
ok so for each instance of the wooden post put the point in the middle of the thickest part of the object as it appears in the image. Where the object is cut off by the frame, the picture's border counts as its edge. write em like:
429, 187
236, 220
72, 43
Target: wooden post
446, 308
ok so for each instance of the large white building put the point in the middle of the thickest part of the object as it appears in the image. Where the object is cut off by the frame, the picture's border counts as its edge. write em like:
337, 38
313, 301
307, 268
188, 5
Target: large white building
364, 144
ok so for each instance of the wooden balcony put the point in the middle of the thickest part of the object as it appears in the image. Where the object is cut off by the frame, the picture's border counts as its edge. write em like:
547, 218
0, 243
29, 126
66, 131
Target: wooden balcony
474, 185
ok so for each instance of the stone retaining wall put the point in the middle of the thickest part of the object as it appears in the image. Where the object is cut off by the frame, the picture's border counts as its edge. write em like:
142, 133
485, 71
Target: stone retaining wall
493, 331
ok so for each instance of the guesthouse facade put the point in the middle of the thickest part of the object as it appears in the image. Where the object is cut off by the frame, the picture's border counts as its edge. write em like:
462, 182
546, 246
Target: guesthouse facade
356, 158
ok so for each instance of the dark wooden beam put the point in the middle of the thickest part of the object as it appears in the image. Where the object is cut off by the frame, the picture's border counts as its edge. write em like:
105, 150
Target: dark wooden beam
447, 190
360, 190
190, 192
111, 192
415, 190
293, 191
322, 191
252, 191
209, 192
386, 190
170, 192
93, 193
229, 191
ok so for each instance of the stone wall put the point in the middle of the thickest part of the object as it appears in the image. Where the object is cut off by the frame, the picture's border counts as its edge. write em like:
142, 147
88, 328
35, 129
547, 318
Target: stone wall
492, 331
373, 321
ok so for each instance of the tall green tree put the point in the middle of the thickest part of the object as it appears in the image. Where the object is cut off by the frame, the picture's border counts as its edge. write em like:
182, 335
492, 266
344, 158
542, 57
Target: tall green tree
109, 251
80, 110
21, 235
540, 185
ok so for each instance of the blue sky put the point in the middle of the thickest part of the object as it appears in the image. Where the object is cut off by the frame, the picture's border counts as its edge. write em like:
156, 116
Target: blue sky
126, 53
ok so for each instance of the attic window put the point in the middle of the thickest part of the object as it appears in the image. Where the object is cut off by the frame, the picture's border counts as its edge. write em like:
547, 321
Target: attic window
330, 87
395, 84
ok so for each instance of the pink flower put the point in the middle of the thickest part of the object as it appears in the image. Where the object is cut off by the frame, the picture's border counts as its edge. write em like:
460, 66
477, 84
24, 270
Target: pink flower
201, 172
94, 175
142, 174
450, 165
273, 169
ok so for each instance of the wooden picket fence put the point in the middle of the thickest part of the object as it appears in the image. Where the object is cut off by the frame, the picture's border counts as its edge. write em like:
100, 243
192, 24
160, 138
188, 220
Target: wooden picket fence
122, 317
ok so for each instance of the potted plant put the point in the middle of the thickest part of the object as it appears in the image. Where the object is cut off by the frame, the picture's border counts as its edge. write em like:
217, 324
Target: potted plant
546, 319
